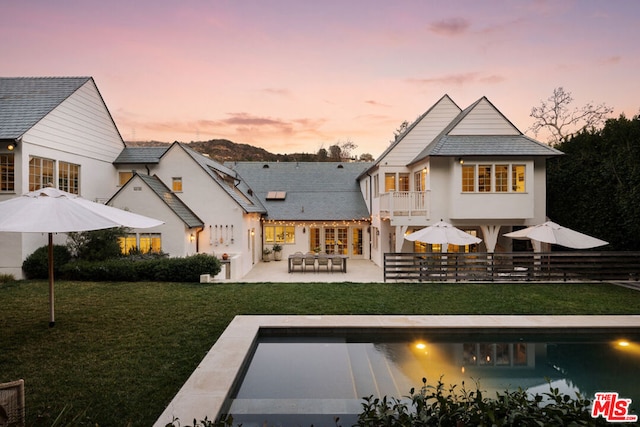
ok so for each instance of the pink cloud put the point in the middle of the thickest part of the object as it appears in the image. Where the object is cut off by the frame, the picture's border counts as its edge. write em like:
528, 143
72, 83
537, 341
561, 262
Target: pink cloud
459, 79
611, 60
376, 103
450, 27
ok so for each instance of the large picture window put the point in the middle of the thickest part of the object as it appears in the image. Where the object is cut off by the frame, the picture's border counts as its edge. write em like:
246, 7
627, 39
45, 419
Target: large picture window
280, 234
41, 173
145, 243
69, 177
494, 178
7, 173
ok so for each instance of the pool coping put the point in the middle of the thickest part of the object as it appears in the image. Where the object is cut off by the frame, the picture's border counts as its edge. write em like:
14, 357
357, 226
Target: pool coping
207, 389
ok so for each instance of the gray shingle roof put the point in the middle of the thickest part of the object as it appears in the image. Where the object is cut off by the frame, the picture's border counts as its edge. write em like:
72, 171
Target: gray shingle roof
314, 191
488, 145
483, 145
141, 155
239, 190
24, 101
175, 204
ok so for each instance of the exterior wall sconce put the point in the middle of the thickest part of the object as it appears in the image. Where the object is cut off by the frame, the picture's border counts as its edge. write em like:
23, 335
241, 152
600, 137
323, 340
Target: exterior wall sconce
192, 237
11, 146
304, 230
461, 160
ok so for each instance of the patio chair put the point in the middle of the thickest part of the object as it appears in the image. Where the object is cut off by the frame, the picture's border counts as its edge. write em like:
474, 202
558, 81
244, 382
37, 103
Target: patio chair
337, 263
12, 404
323, 261
310, 260
296, 261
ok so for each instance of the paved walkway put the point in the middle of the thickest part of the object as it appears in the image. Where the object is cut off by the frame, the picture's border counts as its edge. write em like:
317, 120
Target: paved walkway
358, 270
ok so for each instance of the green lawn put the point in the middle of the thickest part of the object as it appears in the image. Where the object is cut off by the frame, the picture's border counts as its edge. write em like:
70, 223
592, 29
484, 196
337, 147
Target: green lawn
120, 351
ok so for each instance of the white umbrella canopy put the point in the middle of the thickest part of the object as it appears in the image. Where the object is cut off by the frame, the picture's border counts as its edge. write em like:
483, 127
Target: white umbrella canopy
550, 232
443, 233
50, 210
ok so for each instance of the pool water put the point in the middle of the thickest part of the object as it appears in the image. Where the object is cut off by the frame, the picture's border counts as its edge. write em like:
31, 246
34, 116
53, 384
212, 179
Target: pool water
303, 381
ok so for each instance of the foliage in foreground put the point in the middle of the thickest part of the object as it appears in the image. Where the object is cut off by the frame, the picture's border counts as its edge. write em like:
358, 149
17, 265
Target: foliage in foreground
436, 406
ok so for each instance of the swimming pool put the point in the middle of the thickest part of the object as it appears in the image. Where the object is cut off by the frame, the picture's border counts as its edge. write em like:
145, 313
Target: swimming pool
209, 389
309, 377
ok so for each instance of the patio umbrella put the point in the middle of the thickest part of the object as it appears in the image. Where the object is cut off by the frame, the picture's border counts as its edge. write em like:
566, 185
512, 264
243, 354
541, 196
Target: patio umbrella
550, 232
443, 233
50, 210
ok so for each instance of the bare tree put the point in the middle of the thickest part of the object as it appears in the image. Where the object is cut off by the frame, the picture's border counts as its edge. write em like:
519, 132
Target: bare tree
555, 116
347, 148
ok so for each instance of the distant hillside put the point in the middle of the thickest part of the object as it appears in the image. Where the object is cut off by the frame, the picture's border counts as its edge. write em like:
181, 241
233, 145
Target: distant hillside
223, 150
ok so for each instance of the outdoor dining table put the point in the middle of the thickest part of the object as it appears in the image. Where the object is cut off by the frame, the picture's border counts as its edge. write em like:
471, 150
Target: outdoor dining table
331, 256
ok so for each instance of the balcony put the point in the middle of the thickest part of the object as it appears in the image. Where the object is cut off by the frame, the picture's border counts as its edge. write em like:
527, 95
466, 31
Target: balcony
398, 205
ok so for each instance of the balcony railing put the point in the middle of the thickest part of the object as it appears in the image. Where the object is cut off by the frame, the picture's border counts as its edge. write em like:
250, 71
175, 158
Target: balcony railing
404, 203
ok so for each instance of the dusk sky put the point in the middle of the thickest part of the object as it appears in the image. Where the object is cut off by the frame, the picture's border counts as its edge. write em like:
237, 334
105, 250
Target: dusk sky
300, 75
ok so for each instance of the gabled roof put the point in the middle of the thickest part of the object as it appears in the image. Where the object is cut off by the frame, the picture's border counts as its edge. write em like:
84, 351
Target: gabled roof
487, 145
313, 191
141, 155
174, 203
228, 180
407, 131
24, 101
517, 144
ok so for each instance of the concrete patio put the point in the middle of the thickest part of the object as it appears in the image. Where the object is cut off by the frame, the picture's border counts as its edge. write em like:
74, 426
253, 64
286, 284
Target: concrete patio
358, 270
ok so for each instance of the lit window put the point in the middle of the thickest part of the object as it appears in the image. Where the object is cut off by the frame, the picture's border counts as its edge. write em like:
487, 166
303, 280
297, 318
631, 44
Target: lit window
518, 178
7, 173
403, 182
484, 178
176, 185
127, 243
150, 242
69, 177
420, 180
40, 173
389, 182
502, 177
280, 234
124, 177
468, 178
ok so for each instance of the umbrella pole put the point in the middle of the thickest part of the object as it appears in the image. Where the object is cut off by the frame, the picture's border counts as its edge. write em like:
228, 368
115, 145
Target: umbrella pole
52, 317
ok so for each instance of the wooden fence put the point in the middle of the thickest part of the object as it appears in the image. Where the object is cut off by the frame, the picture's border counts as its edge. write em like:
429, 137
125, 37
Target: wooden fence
512, 266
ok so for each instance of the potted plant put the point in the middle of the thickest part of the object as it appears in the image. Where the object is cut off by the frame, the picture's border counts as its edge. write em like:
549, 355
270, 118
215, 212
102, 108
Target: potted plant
266, 255
277, 252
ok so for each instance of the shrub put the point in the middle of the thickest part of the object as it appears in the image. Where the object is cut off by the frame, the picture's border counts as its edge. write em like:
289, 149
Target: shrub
97, 245
6, 278
127, 269
435, 406
36, 265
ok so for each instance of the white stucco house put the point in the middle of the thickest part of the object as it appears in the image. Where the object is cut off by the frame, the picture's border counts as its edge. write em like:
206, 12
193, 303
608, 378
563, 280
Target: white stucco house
207, 207
53, 131
470, 167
